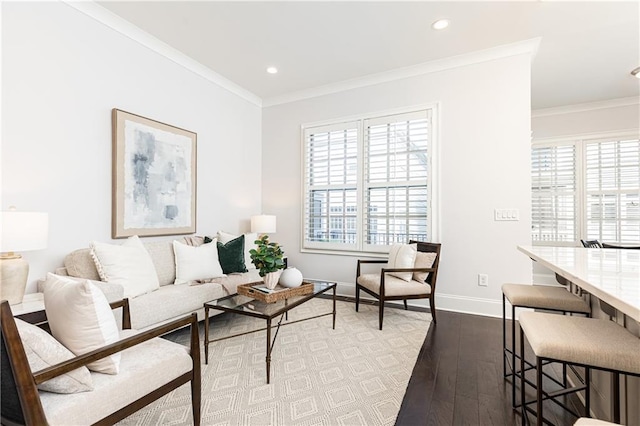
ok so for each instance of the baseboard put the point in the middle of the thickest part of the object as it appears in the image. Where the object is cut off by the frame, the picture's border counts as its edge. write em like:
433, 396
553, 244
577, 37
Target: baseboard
445, 302
470, 305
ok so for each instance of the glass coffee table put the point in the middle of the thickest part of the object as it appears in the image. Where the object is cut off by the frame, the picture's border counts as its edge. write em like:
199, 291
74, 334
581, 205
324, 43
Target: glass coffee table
244, 305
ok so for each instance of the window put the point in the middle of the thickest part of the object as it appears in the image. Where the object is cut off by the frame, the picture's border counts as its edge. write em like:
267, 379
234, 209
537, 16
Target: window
366, 182
586, 189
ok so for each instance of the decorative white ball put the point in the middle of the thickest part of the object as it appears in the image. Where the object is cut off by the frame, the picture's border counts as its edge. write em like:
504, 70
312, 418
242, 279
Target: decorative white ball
290, 278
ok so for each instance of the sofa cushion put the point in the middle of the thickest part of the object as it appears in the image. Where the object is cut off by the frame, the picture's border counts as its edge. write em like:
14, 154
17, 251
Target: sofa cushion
249, 244
128, 264
163, 259
44, 351
81, 319
79, 263
196, 262
231, 255
158, 361
171, 301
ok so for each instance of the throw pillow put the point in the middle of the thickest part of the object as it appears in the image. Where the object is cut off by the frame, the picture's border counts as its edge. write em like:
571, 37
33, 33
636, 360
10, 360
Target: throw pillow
402, 256
249, 243
196, 263
128, 264
44, 351
231, 255
423, 260
81, 319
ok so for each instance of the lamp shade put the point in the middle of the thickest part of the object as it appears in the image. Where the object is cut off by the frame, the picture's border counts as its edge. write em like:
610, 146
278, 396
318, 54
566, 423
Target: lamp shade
23, 231
263, 224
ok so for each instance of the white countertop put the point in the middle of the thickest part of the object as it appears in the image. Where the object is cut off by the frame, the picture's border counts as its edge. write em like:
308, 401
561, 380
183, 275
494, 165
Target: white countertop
611, 275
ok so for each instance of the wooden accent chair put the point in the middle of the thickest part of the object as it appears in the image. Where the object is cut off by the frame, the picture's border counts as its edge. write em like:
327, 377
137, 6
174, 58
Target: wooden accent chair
114, 397
384, 287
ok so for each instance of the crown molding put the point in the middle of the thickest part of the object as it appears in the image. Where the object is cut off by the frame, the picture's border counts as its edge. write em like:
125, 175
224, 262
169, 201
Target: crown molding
124, 27
590, 106
520, 48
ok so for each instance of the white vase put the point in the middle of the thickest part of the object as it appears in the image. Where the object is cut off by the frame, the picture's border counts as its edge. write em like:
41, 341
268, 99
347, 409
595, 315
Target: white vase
271, 279
291, 277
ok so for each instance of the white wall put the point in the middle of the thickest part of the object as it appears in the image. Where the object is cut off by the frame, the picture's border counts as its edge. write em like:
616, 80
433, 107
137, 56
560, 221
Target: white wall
484, 164
62, 73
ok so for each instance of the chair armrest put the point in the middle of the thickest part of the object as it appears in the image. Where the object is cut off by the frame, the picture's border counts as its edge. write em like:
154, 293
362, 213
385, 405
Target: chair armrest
126, 313
82, 360
387, 270
372, 261
361, 261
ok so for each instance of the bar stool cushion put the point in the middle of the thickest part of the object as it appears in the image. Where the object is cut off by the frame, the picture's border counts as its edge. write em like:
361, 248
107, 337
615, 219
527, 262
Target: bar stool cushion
585, 421
587, 341
544, 297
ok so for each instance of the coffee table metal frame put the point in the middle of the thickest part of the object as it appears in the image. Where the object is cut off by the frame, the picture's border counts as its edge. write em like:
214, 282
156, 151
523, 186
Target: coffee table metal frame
320, 287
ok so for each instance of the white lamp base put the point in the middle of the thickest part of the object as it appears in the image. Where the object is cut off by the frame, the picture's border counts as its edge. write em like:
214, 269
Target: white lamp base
13, 279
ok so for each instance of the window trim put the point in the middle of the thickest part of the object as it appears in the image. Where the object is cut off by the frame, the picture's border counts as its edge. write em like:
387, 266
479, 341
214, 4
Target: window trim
433, 178
580, 142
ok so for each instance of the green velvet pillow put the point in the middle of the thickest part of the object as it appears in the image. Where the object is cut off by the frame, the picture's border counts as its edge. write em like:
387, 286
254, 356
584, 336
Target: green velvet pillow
231, 255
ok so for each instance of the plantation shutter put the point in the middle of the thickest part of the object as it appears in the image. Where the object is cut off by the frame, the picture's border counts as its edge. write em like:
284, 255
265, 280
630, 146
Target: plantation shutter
554, 194
331, 176
613, 190
396, 170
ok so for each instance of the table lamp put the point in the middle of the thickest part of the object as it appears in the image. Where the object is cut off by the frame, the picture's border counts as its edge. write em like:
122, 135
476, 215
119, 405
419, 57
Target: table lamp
263, 224
21, 231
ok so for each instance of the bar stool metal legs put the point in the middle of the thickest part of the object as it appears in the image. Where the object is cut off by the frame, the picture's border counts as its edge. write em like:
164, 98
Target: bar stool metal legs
550, 298
583, 342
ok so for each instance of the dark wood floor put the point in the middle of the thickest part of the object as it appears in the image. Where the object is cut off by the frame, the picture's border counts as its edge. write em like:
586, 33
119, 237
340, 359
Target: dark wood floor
458, 378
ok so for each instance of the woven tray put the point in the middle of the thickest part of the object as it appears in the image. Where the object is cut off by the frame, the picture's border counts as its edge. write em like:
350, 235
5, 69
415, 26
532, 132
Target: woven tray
280, 293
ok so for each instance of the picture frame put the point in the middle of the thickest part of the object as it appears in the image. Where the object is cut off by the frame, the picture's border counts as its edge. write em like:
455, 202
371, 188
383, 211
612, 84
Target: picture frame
154, 177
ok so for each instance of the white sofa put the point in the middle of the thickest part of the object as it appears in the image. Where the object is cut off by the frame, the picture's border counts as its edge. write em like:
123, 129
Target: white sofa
167, 302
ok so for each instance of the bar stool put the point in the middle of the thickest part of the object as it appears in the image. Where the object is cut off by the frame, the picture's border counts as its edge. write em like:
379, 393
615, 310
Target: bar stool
556, 299
584, 342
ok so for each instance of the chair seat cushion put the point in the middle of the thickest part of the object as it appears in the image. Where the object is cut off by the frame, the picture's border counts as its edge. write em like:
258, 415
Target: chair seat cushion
393, 286
594, 342
585, 421
143, 368
544, 297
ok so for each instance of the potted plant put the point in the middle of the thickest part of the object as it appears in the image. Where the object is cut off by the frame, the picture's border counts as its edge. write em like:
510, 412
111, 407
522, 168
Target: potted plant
267, 258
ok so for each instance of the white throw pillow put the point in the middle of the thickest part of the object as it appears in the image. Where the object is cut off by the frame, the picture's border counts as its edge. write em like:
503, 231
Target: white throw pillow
197, 263
44, 351
423, 260
81, 319
402, 256
249, 244
128, 264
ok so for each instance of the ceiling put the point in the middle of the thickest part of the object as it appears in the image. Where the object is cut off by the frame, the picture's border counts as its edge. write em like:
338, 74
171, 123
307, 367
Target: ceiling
586, 53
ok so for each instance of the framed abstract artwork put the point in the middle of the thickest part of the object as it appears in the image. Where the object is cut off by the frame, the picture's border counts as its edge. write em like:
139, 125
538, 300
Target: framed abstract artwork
154, 177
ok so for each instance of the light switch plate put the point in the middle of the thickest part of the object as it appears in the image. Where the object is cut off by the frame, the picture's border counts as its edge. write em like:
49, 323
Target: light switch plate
507, 214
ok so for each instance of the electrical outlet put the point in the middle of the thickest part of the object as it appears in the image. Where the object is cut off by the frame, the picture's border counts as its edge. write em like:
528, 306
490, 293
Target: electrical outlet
483, 280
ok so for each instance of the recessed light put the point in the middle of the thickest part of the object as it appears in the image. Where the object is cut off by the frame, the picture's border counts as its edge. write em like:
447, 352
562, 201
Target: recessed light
272, 70
440, 24
636, 72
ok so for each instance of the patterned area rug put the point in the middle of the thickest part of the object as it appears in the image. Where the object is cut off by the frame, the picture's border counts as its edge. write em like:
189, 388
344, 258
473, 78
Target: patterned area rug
353, 375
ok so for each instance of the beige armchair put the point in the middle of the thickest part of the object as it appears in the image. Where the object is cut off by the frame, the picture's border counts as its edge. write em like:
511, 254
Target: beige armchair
385, 287
150, 367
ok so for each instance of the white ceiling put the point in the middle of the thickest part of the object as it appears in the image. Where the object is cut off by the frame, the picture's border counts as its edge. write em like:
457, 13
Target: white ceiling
586, 54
